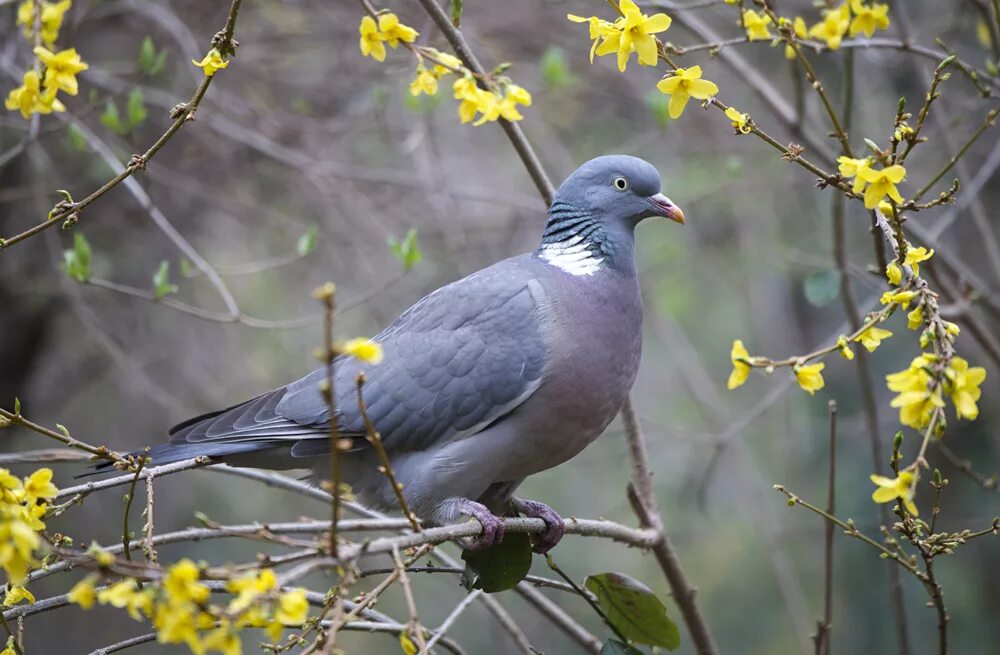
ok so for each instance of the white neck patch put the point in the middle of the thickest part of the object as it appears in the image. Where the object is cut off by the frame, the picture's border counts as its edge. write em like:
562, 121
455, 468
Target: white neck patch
573, 256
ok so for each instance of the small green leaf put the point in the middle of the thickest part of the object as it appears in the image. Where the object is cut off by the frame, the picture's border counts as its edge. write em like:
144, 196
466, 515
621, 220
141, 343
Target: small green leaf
76, 139
407, 251
555, 71
17, 406
633, 610
151, 62
501, 566
307, 242
136, 109
186, 267
821, 287
161, 281
456, 12
111, 118
658, 105
76, 261
615, 647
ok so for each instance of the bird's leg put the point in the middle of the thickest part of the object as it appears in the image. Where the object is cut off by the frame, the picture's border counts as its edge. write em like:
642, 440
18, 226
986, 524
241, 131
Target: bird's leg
555, 527
493, 526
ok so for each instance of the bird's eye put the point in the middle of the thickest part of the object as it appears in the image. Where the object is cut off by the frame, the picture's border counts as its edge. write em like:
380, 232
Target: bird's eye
620, 183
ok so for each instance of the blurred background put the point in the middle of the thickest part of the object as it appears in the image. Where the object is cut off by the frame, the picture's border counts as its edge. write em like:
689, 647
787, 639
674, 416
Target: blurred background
301, 135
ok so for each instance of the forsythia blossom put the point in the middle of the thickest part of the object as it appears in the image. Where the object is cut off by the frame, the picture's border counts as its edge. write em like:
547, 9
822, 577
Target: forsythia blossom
388, 29
916, 255
756, 25
684, 84
739, 120
902, 486
801, 32
903, 298
833, 26
632, 32
61, 69
809, 377
30, 99
179, 611
881, 183
868, 18
23, 503
364, 349
211, 63
51, 18
741, 369
872, 337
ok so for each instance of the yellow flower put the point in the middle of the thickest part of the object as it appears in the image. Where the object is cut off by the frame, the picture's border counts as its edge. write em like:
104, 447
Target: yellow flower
39, 485
29, 99
889, 489
741, 369
903, 298
684, 84
292, 608
636, 34
211, 63
833, 26
951, 328
872, 337
963, 387
799, 27
849, 167
393, 31
83, 593
223, 639
16, 594
371, 39
756, 25
845, 348
249, 587
494, 106
809, 377
51, 19
127, 595
882, 183
182, 583
61, 68
739, 120
449, 63
473, 98
424, 82
916, 402
9, 648
599, 29
894, 273
915, 318
868, 18
916, 255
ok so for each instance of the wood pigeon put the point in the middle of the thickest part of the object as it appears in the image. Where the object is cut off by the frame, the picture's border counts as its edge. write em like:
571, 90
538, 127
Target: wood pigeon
504, 373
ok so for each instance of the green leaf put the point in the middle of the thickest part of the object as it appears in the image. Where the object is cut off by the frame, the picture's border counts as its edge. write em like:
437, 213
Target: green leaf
407, 251
615, 647
161, 281
76, 139
307, 242
186, 267
821, 287
111, 119
17, 406
150, 62
633, 610
77, 260
555, 71
658, 105
456, 12
136, 109
501, 566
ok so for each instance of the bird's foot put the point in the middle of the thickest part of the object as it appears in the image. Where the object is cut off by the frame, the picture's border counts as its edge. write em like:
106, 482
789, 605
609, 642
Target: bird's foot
493, 525
555, 527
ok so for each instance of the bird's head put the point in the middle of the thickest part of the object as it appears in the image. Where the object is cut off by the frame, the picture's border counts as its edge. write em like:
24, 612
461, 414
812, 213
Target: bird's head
617, 188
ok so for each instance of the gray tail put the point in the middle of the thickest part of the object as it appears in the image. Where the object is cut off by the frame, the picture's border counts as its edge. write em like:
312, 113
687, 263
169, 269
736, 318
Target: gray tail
169, 453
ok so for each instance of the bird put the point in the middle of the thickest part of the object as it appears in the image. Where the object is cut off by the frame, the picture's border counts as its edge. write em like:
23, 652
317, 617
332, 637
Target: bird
500, 375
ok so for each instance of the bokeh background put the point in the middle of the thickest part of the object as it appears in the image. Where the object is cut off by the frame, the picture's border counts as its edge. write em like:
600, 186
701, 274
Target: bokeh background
303, 133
